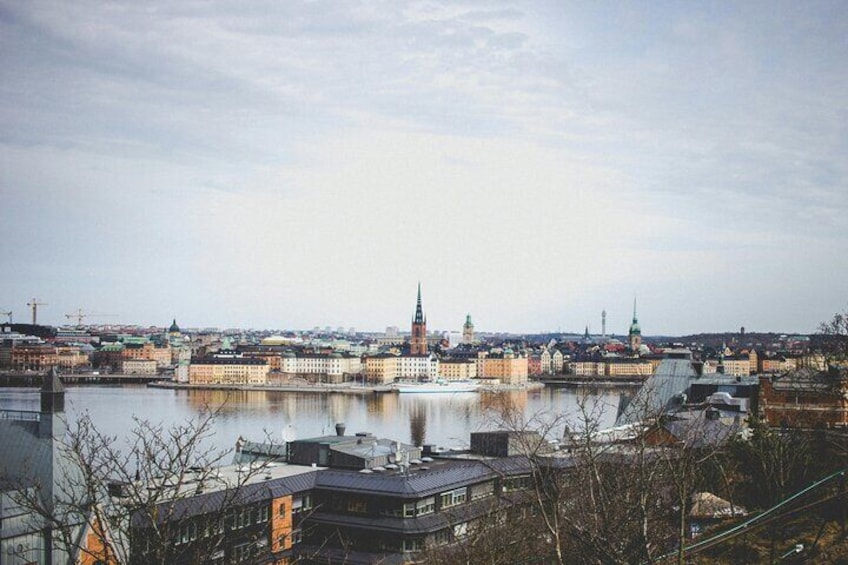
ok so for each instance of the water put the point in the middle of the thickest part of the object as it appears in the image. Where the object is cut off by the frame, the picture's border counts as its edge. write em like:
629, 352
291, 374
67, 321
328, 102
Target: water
445, 420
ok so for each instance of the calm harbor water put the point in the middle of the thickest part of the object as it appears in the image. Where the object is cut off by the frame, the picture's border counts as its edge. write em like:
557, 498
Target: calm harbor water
444, 420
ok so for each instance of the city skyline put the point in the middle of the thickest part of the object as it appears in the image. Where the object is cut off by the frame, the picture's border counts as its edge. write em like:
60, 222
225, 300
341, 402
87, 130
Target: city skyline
294, 165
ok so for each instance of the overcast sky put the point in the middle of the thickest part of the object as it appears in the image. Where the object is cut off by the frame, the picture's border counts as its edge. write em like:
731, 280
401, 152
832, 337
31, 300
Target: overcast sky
292, 164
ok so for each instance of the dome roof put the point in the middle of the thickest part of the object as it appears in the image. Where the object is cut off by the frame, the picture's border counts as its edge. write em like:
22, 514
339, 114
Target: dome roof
174, 329
634, 327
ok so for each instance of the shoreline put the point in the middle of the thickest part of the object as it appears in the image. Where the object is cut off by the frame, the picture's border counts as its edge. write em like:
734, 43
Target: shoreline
342, 388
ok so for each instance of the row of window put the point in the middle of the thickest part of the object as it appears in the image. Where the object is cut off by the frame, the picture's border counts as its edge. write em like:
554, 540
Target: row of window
234, 520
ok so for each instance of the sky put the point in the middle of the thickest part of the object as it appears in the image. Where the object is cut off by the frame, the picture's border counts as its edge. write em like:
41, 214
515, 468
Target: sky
298, 164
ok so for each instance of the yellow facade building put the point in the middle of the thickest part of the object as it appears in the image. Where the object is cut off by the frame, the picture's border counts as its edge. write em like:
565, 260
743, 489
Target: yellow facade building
508, 368
228, 370
457, 369
381, 369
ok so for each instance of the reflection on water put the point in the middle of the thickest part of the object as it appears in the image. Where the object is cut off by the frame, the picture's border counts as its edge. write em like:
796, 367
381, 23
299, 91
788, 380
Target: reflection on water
439, 419
418, 426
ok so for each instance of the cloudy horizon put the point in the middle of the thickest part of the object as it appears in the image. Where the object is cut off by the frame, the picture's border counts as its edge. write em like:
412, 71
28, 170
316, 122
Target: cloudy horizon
300, 164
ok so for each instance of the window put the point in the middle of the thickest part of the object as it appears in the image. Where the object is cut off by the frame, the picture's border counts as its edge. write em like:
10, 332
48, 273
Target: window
425, 506
188, 532
517, 483
482, 490
357, 505
413, 544
453, 497
282, 509
262, 516
442, 537
242, 552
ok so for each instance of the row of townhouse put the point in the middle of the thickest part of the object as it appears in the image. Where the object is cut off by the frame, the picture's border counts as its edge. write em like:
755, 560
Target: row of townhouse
615, 367
506, 367
41, 357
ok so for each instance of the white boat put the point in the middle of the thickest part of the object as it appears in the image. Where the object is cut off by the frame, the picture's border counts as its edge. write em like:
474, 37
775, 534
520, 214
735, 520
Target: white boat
435, 386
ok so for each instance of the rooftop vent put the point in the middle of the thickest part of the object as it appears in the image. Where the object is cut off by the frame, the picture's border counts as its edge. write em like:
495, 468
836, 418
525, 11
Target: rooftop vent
340, 429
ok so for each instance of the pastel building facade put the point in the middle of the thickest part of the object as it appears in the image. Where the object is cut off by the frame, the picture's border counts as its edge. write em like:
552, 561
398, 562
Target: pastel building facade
228, 370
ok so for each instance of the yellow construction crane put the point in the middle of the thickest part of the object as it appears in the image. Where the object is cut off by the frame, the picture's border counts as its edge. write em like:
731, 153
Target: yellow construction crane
79, 315
35, 304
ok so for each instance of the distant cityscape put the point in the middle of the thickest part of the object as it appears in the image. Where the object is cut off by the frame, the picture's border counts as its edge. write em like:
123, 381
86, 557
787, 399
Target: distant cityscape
208, 356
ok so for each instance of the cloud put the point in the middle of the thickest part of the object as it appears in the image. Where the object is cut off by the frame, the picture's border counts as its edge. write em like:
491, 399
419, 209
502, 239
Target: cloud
300, 163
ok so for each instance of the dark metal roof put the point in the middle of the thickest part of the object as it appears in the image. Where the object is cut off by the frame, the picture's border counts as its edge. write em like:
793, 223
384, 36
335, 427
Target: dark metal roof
443, 475
192, 504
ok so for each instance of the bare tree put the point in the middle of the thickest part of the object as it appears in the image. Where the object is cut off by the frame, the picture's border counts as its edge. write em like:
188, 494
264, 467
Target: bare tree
158, 497
834, 336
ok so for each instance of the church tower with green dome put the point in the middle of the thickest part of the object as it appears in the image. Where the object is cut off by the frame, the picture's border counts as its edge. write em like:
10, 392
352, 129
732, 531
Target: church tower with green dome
635, 334
468, 331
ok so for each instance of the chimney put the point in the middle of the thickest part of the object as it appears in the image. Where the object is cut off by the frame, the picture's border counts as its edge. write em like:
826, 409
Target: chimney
340, 429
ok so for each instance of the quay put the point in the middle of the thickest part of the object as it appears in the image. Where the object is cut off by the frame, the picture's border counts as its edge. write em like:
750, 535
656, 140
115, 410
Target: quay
34, 379
318, 388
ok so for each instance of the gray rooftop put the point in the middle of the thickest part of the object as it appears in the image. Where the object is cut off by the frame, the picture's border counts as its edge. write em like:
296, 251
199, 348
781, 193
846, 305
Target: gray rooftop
660, 392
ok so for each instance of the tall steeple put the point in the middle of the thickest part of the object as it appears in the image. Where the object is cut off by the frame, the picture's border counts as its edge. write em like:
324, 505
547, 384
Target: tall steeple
419, 313
635, 333
418, 341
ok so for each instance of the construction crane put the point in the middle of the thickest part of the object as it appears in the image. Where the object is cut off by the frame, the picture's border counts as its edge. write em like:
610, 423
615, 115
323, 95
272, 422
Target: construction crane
79, 315
35, 304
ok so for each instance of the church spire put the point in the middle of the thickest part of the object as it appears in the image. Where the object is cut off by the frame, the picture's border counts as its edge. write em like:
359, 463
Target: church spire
419, 313
418, 341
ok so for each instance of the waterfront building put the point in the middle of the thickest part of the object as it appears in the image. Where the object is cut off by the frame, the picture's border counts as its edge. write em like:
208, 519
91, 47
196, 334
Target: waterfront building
327, 367
139, 367
627, 367
508, 367
71, 357
587, 367
557, 361
418, 367
381, 368
418, 339
545, 361
457, 369
32, 357
534, 364
145, 349
228, 370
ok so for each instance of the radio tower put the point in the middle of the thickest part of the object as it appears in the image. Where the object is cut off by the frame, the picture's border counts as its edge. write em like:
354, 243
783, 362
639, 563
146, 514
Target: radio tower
604, 324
